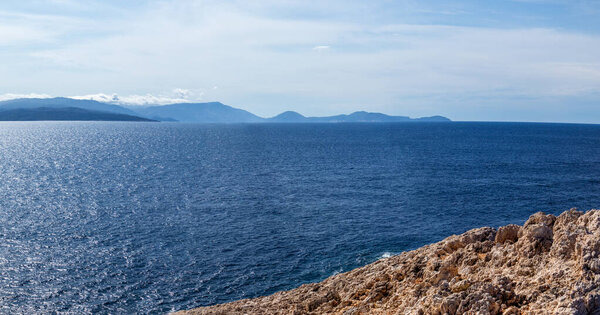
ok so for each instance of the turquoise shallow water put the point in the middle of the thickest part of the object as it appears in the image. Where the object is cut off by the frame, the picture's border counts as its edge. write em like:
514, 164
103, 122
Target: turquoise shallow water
155, 217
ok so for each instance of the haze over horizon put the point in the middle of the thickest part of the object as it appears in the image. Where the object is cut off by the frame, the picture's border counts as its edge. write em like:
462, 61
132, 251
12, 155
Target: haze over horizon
525, 60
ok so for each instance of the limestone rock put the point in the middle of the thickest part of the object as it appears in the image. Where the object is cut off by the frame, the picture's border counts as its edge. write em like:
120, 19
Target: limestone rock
550, 265
509, 233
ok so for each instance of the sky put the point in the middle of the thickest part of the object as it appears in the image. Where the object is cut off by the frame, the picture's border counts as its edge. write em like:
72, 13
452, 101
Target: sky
501, 60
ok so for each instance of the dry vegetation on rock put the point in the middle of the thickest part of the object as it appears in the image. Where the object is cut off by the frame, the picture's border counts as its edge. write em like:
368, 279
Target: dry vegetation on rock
550, 265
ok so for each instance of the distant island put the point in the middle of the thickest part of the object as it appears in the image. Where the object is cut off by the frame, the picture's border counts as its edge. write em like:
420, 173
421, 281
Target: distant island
361, 116
65, 113
61, 108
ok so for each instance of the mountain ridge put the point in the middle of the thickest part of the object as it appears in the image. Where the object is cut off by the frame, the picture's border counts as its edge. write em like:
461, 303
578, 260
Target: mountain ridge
210, 112
63, 114
206, 112
358, 116
62, 102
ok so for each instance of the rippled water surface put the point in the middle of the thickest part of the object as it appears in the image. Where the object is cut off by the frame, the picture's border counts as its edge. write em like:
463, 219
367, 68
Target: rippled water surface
156, 217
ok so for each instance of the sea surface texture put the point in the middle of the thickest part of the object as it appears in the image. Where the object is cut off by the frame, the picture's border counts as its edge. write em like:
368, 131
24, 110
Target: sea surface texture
157, 217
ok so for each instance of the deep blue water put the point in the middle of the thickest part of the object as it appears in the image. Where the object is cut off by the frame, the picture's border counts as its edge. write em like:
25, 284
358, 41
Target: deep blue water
156, 217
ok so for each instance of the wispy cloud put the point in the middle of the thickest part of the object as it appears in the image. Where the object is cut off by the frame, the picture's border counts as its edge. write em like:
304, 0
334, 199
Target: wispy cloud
178, 96
17, 34
262, 57
321, 48
12, 96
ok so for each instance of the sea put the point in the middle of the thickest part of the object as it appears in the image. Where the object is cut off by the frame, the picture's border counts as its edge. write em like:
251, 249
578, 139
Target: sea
150, 218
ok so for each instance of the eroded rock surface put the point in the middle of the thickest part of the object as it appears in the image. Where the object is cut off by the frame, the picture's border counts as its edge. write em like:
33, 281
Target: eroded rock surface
550, 265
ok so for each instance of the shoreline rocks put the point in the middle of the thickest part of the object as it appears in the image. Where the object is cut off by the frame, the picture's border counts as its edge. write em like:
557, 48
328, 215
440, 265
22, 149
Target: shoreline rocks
550, 265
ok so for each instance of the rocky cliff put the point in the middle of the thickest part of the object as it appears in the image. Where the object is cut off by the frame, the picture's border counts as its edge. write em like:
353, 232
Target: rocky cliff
550, 265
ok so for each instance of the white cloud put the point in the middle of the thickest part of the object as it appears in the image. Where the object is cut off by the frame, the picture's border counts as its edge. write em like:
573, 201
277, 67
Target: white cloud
100, 97
12, 96
21, 30
19, 34
186, 43
261, 61
321, 48
182, 93
178, 96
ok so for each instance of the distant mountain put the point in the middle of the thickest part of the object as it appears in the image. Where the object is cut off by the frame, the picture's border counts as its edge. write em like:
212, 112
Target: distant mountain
213, 112
62, 102
433, 118
289, 116
63, 113
361, 116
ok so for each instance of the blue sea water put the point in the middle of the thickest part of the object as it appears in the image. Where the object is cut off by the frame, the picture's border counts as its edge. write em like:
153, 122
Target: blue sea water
156, 217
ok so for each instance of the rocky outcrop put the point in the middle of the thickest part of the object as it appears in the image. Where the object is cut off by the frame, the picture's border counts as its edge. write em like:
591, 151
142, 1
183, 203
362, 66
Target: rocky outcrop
550, 265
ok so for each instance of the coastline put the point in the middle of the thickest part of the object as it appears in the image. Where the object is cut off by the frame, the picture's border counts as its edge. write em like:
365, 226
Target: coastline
550, 265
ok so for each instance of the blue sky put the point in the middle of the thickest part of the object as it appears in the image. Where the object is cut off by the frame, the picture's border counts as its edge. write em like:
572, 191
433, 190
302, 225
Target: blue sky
528, 60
